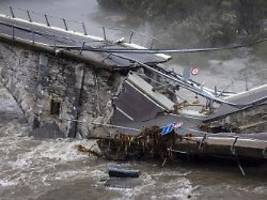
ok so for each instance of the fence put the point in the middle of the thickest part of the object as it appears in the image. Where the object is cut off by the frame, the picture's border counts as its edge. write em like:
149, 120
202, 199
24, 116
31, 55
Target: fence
32, 36
108, 33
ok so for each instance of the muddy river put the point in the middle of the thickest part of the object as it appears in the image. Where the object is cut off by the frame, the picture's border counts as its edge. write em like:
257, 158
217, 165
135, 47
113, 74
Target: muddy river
54, 169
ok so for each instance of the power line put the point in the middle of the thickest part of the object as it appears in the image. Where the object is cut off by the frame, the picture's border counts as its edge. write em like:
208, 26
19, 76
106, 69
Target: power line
157, 51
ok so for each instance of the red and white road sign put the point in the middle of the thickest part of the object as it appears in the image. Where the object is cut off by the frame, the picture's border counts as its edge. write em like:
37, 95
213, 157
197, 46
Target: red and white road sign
195, 71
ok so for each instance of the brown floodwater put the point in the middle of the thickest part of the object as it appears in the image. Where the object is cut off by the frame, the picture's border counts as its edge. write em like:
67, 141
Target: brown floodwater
54, 169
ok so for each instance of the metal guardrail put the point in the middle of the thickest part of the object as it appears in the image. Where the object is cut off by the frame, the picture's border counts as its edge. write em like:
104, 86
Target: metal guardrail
81, 27
49, 20
34, 37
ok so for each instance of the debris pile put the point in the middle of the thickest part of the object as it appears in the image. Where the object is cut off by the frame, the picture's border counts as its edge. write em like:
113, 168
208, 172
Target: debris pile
149, 143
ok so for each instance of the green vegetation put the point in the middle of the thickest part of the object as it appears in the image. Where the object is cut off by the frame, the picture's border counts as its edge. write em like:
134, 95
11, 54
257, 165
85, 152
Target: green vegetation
191, 22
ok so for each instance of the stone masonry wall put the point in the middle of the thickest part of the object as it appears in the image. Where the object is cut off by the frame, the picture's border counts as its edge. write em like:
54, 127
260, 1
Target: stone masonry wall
41, 83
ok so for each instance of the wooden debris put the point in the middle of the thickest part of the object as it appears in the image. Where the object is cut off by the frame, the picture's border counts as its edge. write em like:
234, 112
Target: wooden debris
83, 149
149, 143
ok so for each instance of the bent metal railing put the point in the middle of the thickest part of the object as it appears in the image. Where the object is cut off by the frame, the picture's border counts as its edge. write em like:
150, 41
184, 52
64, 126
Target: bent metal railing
107, 33
71, 26
32, 36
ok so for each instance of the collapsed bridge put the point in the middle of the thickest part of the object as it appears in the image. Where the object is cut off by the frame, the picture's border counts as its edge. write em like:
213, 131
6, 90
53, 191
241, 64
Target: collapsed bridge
58, 86
71, 84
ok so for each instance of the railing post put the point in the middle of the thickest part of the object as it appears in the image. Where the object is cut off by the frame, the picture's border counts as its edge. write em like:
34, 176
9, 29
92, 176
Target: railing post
13, 32
29, 16
55, 41
65, 24
46, 19
84, 29
131, 37
82, 48
104, 33
11, 12
33, 37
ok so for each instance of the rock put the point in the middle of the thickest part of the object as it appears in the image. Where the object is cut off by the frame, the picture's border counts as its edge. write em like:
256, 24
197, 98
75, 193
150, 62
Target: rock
123, 172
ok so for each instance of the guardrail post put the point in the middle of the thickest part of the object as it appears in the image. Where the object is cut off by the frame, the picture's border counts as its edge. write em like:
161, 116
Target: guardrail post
29, 16
104, 33
84, 29
82, 48
13, 32
55, 41
33, 37
131, 37
46, 19
11, 12
65, 23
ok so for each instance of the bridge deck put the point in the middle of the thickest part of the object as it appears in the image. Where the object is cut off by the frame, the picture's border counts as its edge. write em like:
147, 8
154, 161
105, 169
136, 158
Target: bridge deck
241, 99
53, 36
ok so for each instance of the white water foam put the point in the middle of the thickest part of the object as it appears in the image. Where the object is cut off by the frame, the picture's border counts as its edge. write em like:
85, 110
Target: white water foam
6, 183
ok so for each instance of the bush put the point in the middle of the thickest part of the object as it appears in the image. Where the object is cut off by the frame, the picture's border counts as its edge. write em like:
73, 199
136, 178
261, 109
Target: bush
211, 22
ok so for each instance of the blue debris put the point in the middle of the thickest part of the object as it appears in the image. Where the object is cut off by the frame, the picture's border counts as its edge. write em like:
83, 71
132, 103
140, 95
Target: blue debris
165, 130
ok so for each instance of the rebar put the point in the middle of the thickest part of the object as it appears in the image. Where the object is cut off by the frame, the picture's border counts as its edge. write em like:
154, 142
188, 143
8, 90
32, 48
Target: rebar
104, 33
84, 29
65, 24
131, 37
29, 16
46, 19
11, 11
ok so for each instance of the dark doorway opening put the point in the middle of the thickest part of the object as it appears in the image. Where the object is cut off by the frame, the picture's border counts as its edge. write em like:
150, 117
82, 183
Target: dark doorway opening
55, 107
